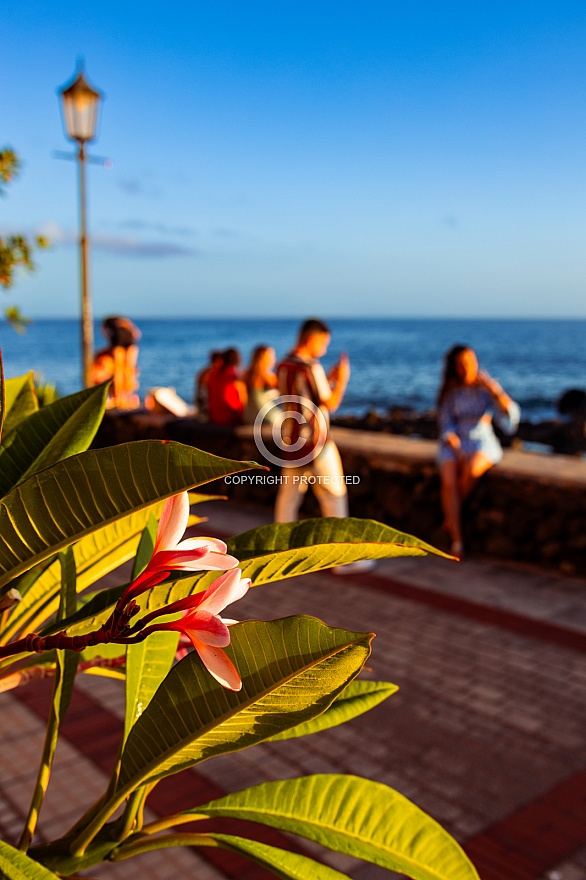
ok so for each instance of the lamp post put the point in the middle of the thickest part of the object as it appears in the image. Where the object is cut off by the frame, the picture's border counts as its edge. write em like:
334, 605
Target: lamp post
80, 103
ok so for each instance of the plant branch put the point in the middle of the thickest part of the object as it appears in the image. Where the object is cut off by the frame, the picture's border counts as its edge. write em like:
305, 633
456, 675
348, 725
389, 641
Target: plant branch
172, 822
128, 821
115, 629
24, 676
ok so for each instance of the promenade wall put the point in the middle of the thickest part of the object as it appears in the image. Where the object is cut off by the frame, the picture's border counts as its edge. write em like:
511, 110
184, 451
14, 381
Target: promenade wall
530, 508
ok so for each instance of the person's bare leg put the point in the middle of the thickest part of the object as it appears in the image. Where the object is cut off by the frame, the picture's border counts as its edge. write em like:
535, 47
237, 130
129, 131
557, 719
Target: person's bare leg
472, 469
450, 495
290, 495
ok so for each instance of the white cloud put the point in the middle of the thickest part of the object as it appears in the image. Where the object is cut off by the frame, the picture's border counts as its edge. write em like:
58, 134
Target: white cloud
123, 245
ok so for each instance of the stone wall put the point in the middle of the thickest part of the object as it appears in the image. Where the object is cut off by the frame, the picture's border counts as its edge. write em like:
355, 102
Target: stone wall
530, 508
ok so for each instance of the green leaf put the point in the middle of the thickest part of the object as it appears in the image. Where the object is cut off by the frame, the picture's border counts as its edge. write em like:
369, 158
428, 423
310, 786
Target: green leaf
145, 548
92, 614
72, 498
359, 697
291, 670
106, 672
2, 397
147, 664
282, 863
200, 498
95, 555
66, 660
354, 816
51, 434
106, 650
15, 865
282, 550
68, 599
20, 401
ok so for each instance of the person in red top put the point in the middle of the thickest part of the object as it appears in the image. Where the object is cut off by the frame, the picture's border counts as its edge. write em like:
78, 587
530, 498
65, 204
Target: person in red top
226, 391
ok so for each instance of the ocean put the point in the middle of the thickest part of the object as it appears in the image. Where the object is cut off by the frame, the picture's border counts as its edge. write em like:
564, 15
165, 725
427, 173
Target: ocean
394, 362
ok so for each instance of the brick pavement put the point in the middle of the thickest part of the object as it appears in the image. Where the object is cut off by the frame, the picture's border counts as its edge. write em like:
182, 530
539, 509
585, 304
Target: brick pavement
486, 733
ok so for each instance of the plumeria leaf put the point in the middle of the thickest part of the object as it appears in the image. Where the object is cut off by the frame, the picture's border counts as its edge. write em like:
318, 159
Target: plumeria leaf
145, 548
51, 434
358, 817
282, 550
66, 660
147, 664
72, 498
106, 650
2, 397
95, 555
359, 696
96, 608
15, 865
106, 672
291, 670
20, 401
200, 498
283, 864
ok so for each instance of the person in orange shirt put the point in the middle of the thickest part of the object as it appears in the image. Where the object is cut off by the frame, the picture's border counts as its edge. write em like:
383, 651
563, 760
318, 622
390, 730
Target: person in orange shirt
118, 362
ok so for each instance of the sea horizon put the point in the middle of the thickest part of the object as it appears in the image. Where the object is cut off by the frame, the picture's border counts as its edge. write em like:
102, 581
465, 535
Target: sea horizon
395, 361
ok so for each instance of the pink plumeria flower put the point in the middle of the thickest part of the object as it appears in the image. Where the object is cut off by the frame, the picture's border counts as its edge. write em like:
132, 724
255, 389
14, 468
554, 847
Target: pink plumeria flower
206, 630
171, 554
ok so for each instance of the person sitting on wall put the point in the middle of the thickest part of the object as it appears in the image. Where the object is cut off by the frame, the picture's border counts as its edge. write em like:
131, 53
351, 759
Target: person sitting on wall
226, 391
261, 384
201, 384
118, 362
467, 402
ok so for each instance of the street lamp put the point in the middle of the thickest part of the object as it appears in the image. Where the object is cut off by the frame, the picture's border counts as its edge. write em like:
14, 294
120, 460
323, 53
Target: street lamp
80, 113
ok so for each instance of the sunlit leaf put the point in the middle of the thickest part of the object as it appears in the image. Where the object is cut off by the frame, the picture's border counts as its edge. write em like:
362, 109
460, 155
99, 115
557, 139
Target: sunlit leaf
95, 555
51, 434
283, 550
147, 664
360, 696
15, 865
358, 817
282, 863
20, 401
75, 497
291, 670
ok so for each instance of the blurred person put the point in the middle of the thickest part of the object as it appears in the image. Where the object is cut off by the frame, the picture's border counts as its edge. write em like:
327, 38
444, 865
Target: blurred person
261, 384
227, 393
118, 362
468, 401
201, 384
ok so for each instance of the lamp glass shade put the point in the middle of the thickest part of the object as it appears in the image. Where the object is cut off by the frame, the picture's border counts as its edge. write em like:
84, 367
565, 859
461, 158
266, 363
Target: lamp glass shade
80, 108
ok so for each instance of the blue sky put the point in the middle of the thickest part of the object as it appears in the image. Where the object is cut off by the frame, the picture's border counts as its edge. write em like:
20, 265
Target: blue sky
373, 158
